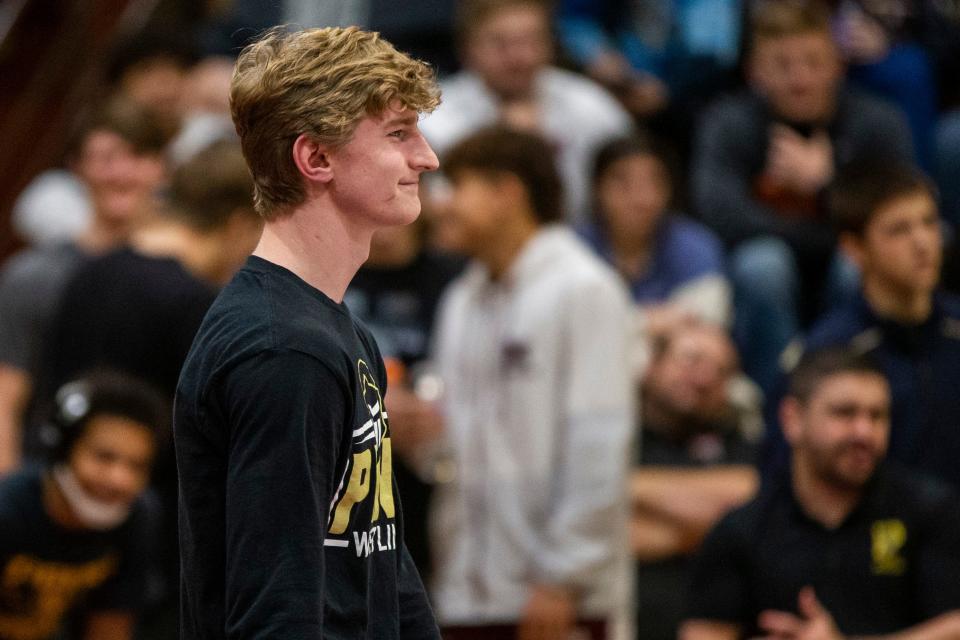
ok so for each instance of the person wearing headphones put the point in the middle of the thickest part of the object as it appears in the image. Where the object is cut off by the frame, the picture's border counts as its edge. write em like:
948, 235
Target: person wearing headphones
74, 532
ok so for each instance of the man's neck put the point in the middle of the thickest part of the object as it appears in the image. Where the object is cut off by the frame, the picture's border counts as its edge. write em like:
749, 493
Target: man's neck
632, 254
195, 251
905, 307
56, 505
499, 256
822, 501
318, 245
102, 236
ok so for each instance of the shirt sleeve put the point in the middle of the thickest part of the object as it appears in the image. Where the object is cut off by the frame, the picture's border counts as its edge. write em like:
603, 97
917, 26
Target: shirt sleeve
286, 413
417, 621
595, 430
717, 587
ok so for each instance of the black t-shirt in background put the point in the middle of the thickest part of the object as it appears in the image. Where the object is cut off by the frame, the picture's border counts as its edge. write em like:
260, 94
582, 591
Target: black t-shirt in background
127, 311
50, 574
892, 564
290, 521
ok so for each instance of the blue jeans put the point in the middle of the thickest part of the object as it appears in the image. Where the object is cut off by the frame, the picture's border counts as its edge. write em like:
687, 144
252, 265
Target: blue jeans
766, 284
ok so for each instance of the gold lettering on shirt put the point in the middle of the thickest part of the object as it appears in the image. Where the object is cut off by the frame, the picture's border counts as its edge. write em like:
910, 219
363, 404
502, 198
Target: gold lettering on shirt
38, 593
887, 540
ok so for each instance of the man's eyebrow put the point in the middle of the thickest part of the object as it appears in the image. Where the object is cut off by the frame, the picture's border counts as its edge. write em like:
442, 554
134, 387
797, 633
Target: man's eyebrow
404, 120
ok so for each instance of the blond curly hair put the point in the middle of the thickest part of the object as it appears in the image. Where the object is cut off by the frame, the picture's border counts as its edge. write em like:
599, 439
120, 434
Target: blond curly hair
319, 82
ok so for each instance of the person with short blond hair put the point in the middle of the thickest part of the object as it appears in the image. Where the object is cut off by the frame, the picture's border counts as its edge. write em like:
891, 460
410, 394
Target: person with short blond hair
290, 523
286, 84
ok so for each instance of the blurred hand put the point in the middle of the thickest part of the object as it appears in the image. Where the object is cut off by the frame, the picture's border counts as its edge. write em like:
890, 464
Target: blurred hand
413, 422
645, 95
548, 615
813, 623
801, 164
662, 319
861, 38
610, 69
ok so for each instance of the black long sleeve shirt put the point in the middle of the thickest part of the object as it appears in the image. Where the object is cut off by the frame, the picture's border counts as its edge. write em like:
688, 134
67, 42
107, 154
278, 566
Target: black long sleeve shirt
290, 523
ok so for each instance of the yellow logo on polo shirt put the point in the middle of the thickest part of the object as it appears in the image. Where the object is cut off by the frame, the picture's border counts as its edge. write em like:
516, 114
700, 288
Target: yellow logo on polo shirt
887, 540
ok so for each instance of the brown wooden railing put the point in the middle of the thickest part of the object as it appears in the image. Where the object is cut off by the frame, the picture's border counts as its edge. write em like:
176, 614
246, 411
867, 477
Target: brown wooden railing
51, 66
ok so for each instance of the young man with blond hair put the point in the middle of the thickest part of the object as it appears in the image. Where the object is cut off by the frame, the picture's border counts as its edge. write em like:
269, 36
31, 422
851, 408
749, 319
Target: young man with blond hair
289, 522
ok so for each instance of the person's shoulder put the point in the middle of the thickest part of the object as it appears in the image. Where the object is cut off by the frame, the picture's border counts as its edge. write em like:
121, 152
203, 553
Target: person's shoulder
466, 105
925, 496
579, 267
461, 91
949, 303
581, 95
694, 238
35, 264
868, 109
841, 325
20, 495
148, 276
741, 528
739, 108
237, 325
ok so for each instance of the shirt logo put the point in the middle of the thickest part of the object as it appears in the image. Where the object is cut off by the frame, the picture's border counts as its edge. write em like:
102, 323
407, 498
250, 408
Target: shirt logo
36, 594
369, 475
887, 540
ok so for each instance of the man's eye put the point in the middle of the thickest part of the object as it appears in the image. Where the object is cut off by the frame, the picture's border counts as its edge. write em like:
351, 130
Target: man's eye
399, 133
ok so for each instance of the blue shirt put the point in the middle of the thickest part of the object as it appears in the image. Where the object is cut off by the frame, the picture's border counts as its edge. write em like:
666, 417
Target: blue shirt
684, 250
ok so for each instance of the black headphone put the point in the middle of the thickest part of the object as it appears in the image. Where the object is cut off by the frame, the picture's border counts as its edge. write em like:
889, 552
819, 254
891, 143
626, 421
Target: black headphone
101, 392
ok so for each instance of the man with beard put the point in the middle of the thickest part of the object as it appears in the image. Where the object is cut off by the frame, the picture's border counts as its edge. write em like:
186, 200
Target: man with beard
887, 222
843, 545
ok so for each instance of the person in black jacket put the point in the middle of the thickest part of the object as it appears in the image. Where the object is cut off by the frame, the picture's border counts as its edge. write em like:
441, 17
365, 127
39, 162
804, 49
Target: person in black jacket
290, 522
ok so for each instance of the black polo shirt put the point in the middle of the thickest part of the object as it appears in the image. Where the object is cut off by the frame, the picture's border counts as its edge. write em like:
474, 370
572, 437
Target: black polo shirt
891, 564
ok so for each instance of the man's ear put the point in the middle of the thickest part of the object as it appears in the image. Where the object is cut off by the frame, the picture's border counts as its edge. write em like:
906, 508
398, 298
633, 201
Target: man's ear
791, 419
852, 246
312, 159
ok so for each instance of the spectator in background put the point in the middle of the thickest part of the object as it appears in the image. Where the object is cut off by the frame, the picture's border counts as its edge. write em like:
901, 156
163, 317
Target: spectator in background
673, 266
762, 162
151, 68
885, 61
205, 106
138, 308
887, 220
508, 79
117, 153
396, 294
537, 405
663, 59
843, 544
694, 465
74, 535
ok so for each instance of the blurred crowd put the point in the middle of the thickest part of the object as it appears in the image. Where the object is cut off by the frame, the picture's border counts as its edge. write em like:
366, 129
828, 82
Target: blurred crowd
673, 350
